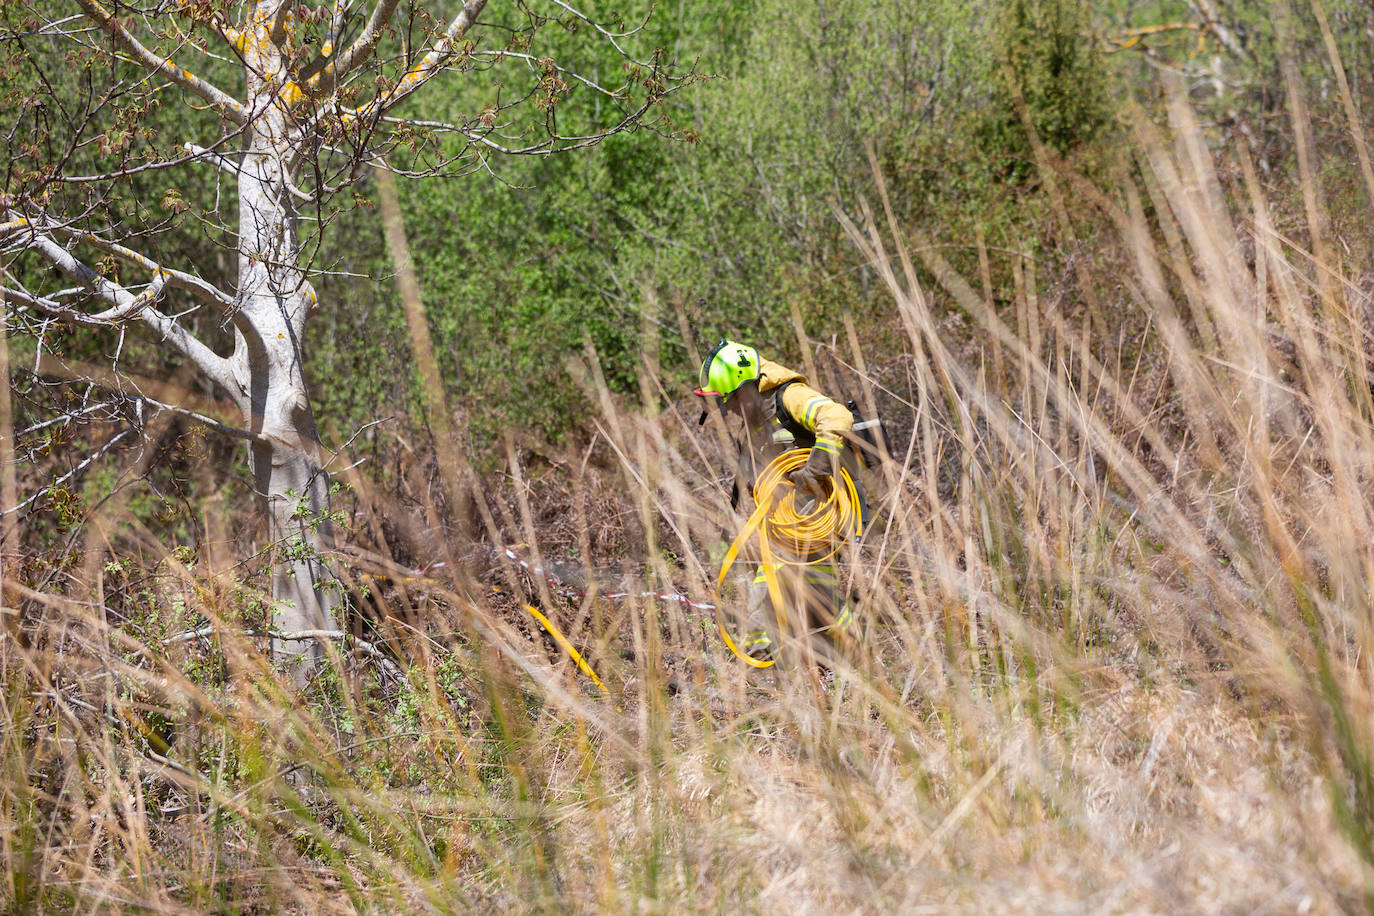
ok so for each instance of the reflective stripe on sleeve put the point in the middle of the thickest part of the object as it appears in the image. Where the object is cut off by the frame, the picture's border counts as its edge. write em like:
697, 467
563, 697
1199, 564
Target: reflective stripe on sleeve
813, 406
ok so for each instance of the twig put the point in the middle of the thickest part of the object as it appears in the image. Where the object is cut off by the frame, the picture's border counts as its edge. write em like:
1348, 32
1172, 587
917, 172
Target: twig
337, 635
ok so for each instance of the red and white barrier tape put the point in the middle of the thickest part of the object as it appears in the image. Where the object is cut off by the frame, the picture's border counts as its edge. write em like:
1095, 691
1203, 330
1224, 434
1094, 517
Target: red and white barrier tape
562, 589
548, 577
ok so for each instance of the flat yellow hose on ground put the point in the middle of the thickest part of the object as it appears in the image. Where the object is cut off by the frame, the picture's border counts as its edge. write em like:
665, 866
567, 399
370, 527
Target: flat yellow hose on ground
562, 640
786, 537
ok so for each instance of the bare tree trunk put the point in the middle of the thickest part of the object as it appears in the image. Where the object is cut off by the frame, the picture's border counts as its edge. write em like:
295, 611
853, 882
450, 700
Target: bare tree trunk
274, 297
9, 490
296, 496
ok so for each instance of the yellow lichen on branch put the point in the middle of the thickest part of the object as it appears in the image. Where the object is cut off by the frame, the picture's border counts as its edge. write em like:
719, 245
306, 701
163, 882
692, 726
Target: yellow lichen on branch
154, 63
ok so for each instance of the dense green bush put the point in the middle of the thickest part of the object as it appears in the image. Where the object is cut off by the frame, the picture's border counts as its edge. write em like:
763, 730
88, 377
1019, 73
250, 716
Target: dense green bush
729, 220
732, 221
1046, 75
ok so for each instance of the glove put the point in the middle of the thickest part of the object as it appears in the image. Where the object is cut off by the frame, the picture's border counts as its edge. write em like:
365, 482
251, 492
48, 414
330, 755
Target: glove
808, 484
810, 477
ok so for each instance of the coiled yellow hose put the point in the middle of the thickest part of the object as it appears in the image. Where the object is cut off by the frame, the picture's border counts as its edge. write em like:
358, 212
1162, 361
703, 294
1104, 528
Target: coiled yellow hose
787, 537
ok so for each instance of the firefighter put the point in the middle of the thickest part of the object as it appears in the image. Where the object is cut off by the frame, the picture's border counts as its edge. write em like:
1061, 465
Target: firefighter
780, 411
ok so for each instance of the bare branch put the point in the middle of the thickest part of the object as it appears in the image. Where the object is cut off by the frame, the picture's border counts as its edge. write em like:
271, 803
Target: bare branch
107, 380
177, 279
209, 362
1212, 22
49, 306
145, 299
605, 33
332, 71
215, 158
90, 459
532, 61
555, 143
123, 172
224, 103
66, 417
429, 66
219, 426
161, 394
194, 154
55, 27
363, 645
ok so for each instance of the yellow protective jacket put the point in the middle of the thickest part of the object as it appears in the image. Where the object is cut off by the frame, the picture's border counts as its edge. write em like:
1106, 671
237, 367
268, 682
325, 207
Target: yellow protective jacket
792, 406
804, 410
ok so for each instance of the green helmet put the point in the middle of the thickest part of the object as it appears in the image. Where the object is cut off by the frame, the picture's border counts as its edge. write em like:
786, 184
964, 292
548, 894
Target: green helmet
727, 367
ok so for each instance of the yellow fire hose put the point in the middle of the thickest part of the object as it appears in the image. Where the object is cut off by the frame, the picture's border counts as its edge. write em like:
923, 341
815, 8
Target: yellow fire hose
562, 640
786, 537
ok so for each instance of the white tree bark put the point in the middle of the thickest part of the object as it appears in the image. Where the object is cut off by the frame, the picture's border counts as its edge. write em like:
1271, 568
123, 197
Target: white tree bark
274, 297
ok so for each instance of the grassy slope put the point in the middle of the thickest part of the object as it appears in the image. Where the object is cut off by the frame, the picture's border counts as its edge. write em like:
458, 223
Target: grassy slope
1115, 650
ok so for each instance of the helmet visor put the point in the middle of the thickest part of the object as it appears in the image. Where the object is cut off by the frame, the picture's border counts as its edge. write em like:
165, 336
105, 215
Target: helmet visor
704, 386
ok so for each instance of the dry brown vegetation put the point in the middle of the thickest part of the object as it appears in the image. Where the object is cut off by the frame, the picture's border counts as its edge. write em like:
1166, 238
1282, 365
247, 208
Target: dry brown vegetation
1115, 657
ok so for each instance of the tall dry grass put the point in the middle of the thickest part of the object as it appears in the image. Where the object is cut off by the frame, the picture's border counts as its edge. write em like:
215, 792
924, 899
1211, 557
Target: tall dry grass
1115, 652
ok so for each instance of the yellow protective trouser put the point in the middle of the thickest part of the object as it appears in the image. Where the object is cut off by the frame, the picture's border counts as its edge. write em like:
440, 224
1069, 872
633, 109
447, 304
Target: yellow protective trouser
816, 606
793, 546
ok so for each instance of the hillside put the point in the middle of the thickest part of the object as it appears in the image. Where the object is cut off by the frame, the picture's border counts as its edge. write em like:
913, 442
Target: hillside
1104, 273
